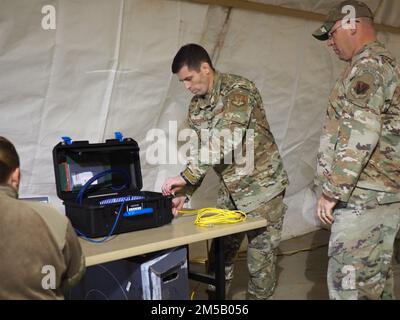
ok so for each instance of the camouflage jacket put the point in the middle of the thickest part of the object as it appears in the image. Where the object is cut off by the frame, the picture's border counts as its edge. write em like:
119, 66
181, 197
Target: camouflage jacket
231, 124
359, 154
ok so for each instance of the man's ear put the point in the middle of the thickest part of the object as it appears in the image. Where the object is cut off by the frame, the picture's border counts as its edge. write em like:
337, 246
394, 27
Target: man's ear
15, 178
205, 67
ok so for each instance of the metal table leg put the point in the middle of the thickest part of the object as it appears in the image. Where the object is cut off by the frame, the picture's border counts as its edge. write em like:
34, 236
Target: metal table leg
219, 269
219, 279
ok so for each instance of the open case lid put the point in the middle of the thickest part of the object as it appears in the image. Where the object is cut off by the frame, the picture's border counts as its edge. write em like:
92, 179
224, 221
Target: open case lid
77, 162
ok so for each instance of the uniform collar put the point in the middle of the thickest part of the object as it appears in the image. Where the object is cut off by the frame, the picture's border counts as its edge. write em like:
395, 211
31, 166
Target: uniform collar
8, 191
212, 98
363, 51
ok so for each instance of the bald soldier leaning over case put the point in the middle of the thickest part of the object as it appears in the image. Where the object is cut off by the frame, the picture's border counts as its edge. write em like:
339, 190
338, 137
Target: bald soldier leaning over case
39, 251
359, 158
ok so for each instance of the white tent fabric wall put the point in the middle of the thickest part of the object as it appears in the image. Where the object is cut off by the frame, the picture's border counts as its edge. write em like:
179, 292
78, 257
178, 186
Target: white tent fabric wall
106, 68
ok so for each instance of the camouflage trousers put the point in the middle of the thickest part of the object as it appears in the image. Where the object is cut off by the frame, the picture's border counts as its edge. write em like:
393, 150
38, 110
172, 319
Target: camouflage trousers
361, 252
261, 250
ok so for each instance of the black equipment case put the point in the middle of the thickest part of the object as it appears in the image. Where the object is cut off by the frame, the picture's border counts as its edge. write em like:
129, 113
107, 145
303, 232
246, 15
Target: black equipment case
100, 185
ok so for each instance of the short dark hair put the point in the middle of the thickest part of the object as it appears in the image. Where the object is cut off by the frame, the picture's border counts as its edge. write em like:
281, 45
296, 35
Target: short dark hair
191, 55
9, 160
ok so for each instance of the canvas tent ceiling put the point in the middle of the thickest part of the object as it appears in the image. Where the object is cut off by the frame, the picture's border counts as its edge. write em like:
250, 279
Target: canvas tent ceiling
106, 68
312, 10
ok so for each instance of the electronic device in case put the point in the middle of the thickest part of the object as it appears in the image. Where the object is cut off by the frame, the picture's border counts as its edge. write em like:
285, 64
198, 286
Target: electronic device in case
100, 185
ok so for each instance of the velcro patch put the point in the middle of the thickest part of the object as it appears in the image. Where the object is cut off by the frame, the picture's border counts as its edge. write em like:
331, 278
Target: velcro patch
189, 176
363, 87
239, 99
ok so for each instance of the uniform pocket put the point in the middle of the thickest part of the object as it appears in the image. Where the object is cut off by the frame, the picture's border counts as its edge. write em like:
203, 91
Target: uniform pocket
354, 230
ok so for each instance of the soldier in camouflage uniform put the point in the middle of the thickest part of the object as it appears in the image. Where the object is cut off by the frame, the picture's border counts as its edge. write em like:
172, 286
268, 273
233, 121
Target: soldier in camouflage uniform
359, 158
230, 103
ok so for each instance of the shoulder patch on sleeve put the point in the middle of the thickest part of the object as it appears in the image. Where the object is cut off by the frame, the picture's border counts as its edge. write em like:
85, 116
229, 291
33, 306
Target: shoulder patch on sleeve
363, 87
238, 106
239, 99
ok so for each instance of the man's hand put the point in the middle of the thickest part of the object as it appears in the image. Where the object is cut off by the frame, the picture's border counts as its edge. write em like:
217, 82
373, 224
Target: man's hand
173, 185
325, 208
177, 205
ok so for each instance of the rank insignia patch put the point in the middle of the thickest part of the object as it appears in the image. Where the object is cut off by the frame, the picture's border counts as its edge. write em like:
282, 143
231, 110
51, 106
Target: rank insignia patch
239, 100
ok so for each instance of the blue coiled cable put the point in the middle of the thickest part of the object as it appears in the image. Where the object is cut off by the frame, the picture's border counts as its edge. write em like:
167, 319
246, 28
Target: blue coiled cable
122, 172
79, 199
109, 234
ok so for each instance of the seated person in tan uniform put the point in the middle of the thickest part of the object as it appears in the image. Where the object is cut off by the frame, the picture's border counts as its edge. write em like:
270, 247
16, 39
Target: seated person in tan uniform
39, 251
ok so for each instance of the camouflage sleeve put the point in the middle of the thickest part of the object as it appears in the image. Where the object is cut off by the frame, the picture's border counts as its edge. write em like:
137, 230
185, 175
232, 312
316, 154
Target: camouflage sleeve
326, 150
224, 138
359, 132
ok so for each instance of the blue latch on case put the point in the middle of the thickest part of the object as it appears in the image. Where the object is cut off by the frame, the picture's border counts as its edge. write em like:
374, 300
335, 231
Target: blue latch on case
119, 136
67, 140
